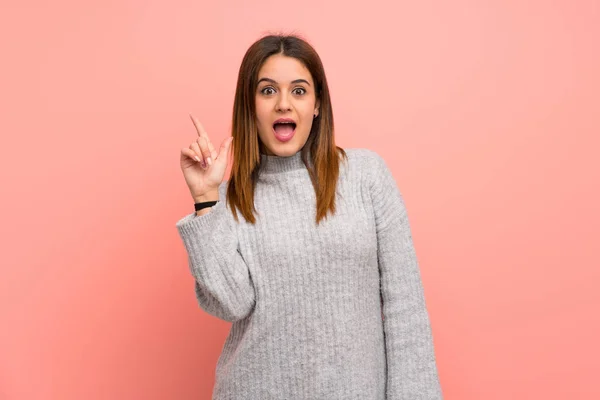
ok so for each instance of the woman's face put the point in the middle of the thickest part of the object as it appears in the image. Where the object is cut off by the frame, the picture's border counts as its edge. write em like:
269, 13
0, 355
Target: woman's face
285, 105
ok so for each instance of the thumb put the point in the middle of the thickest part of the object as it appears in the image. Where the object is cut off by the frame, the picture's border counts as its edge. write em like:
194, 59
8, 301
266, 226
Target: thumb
224, 150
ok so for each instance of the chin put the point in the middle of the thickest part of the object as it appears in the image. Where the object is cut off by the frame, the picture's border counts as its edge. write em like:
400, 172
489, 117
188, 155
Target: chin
287, 149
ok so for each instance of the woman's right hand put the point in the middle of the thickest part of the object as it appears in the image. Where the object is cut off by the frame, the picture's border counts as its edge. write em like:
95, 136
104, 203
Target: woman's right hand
203, 168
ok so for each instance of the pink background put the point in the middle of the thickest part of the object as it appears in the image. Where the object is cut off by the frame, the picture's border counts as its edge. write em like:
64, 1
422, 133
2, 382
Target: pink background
486, 111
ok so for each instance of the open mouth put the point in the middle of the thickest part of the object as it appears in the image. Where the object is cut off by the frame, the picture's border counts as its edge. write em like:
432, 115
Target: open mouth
284, 130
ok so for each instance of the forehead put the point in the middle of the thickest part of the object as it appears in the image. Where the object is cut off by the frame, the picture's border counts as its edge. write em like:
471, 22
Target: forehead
284, 69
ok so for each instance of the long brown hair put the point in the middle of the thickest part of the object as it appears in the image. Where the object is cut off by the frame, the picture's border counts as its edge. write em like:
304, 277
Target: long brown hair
320, 144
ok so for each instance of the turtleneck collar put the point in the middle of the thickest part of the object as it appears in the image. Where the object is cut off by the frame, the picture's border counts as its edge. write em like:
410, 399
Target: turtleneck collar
276, 164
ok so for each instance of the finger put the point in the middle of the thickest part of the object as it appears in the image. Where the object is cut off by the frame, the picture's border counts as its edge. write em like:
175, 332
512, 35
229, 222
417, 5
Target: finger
203, 143
199, 128
191, 154
196, 149
224, 150
202, 133
211, 148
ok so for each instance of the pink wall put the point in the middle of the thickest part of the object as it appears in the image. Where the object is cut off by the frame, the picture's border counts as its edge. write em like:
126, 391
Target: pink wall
487, 112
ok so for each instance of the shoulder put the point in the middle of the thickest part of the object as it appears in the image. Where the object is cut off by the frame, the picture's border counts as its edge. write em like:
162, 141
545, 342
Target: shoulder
366, 163
363, 157
361, 154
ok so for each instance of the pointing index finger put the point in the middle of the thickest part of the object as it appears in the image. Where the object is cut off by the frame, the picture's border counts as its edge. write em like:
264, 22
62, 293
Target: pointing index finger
199, 127
202, 133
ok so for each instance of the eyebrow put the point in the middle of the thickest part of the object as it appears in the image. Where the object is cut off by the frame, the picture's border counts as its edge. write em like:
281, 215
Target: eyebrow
275, 82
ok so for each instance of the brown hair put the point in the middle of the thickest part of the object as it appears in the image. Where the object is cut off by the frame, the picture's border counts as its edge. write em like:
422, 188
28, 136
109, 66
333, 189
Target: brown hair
246, 143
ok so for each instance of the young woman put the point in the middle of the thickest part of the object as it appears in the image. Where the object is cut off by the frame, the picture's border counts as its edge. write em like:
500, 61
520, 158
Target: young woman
306, 249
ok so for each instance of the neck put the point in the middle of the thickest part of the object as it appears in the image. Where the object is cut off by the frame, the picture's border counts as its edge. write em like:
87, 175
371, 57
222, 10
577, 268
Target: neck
277, 164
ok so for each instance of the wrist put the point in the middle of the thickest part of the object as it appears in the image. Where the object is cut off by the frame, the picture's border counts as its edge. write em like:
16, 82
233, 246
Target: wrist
210, 196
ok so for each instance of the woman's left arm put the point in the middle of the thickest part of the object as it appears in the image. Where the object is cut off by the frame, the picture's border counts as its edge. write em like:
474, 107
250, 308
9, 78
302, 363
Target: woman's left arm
411, 363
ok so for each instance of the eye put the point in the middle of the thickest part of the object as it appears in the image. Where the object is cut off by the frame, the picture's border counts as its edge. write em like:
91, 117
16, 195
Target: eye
299, 91
266, 89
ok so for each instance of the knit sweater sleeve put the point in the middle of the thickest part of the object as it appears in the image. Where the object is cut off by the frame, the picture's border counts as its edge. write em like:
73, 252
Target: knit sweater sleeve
223, 284
411, 364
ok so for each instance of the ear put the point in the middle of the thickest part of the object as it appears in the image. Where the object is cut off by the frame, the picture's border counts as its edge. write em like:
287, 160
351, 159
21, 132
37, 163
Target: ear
317, 106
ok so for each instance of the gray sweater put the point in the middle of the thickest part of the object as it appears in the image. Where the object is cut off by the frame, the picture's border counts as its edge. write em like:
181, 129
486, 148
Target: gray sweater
334, 311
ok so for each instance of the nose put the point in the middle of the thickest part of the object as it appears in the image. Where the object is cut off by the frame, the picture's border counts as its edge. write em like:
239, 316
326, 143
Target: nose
283, 104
